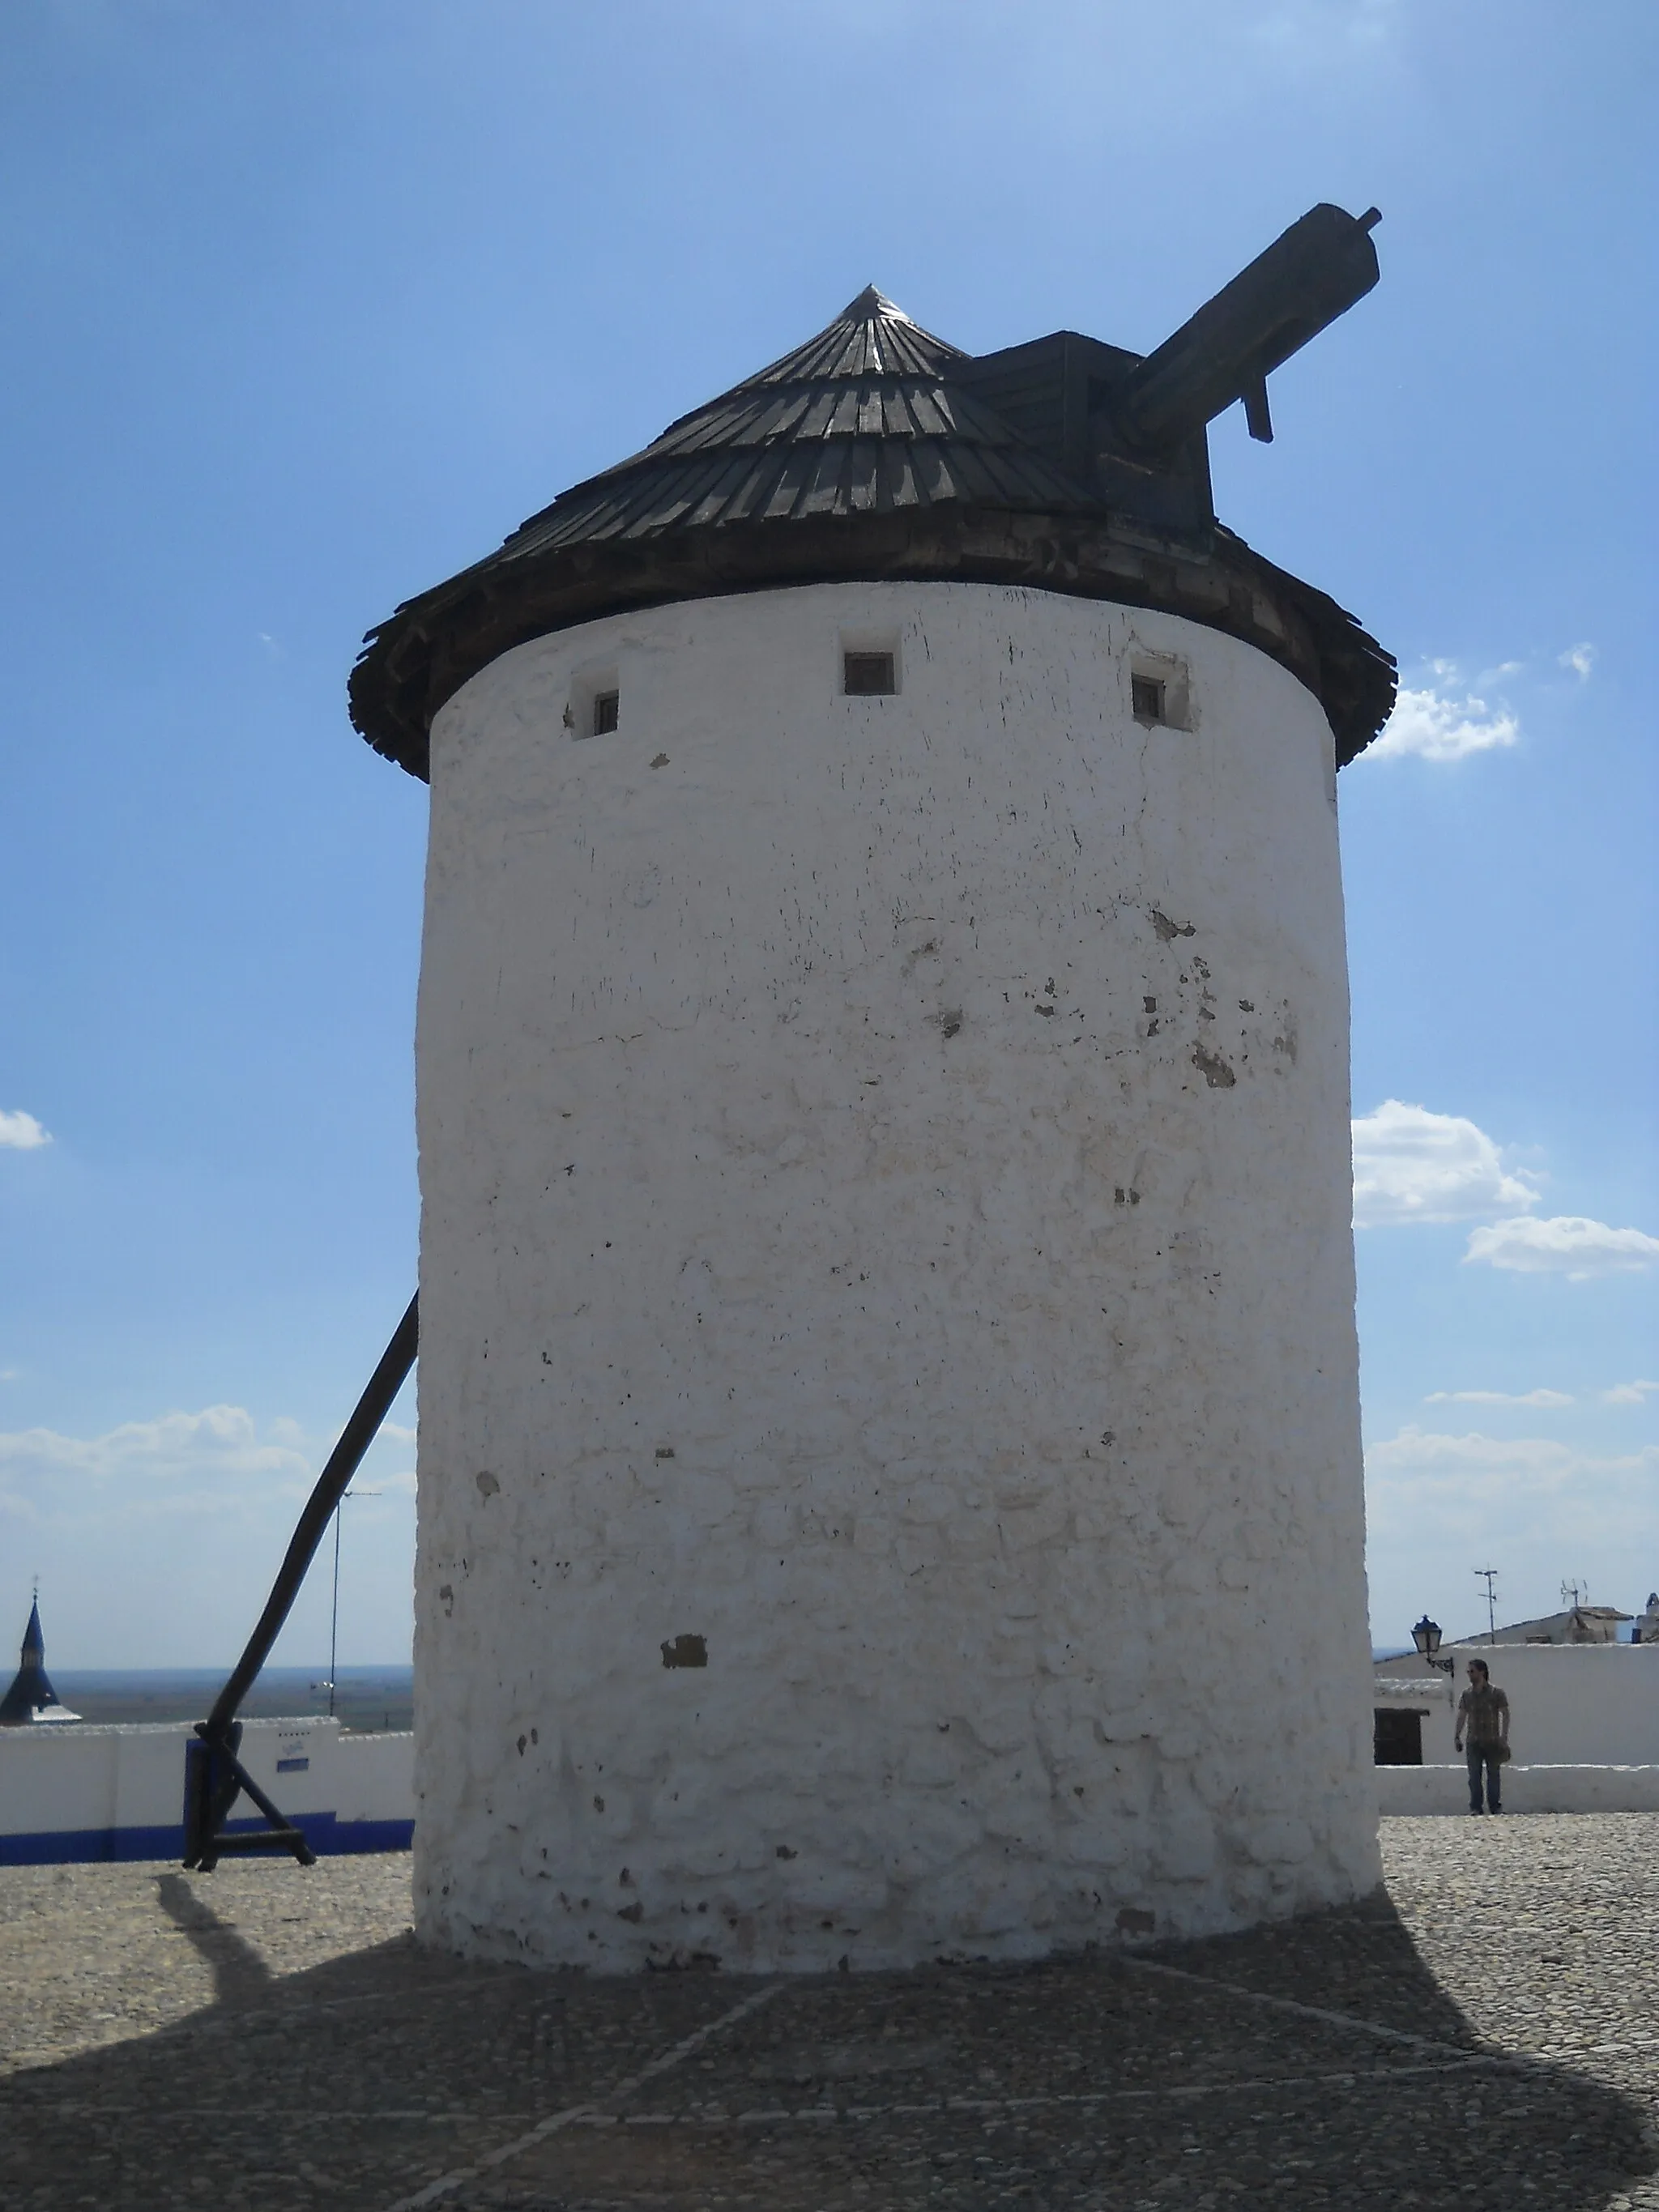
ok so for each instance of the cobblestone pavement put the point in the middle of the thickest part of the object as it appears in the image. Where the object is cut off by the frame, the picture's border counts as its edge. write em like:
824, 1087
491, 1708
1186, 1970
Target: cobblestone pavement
263, 2040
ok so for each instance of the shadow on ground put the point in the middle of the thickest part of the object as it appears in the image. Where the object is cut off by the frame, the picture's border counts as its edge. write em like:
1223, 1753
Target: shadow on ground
1209, 2073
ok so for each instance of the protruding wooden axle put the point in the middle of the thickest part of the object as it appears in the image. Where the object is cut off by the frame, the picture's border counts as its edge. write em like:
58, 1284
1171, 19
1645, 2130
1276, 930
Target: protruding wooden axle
1307, 277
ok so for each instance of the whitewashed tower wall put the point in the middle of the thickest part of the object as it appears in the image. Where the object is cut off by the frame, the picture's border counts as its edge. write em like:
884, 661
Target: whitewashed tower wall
885, 1237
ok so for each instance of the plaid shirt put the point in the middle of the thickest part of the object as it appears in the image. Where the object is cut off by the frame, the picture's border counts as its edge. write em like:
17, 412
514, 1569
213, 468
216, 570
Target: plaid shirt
1478, 1713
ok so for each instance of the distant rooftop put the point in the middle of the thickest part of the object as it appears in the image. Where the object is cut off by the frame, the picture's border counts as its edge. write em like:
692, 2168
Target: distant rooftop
1574, 1623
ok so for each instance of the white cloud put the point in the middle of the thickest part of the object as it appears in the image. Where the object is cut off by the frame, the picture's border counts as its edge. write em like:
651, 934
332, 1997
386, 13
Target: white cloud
1432, 1487
156, 1541
1540, 1488
1581, 658
1550, 1398
1309, 30
1628, 1394
193, 1455
1409, 1164
1535, 1507
1568, 1244
20, 1132
1437, 726
1538, 1459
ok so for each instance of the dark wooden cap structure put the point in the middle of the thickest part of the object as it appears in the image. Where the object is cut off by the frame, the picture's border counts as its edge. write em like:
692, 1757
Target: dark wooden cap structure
877, 452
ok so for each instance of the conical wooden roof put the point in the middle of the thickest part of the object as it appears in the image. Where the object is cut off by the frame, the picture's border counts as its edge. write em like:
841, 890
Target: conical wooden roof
865, 452
863, 418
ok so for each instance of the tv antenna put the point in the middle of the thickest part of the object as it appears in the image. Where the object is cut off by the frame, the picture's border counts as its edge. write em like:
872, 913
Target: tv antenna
334, 1612
1489, 1575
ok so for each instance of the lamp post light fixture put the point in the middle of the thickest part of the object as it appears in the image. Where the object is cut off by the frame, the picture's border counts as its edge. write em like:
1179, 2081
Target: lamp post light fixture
1426, 1637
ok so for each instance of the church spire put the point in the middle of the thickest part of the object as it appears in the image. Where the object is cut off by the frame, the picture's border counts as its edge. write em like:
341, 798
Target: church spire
31, 1692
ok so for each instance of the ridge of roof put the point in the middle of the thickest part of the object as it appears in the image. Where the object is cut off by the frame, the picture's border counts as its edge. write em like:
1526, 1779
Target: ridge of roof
871, 336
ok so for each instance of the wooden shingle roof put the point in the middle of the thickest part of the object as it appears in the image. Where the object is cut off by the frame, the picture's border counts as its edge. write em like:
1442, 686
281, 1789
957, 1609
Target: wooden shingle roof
865, 452
862, 419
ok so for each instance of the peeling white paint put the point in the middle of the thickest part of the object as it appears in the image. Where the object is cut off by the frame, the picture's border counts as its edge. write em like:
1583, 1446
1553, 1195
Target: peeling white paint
886, 1183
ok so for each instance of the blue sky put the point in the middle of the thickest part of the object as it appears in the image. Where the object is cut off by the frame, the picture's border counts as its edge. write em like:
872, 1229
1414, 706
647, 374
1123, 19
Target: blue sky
304, 308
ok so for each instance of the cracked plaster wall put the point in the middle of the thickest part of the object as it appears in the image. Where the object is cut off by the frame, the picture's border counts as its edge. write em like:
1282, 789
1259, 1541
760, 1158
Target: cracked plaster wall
888, 1413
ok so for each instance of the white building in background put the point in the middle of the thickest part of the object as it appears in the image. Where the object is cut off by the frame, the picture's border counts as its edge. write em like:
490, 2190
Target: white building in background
1580, 1623
883, 1121
1583, 1728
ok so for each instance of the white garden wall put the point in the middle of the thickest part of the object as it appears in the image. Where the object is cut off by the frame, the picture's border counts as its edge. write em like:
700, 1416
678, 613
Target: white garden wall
1586, 1705
888, 1378
1403, 1790
69, 1792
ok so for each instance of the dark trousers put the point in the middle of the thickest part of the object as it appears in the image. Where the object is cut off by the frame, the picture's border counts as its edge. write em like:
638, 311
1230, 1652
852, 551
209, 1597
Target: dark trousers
1485, 1755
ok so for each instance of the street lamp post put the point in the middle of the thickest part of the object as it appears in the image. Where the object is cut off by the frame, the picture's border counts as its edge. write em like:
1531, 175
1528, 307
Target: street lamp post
1426, 1637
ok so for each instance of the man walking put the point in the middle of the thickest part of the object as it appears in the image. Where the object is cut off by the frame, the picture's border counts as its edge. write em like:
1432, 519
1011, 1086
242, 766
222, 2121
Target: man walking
1484, 1713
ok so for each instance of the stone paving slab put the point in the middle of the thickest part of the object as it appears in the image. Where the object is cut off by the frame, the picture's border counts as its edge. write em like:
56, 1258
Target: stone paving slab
1485, 2034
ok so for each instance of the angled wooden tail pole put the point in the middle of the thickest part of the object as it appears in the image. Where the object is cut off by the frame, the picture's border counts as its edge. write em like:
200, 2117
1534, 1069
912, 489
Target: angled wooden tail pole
214, 1774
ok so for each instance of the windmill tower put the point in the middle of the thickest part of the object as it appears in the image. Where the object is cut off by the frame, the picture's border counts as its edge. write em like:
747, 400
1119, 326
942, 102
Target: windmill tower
888, 1371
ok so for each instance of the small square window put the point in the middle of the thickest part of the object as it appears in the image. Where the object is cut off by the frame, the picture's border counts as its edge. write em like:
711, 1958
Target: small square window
606, 707
867, 675
1146, 699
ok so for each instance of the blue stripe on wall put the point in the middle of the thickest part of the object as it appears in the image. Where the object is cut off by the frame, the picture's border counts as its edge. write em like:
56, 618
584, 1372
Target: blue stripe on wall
327, 1835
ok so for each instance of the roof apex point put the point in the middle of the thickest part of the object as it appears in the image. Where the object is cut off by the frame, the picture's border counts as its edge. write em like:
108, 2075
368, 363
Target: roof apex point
871, 301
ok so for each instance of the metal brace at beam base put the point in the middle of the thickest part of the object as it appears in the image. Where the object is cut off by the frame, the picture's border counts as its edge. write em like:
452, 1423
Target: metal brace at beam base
214, 1778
